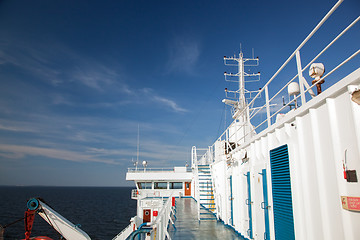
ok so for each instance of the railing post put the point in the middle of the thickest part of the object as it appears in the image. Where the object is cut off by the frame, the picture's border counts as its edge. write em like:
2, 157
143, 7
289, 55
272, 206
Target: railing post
193, 157
267, 106
301, 78
227, 139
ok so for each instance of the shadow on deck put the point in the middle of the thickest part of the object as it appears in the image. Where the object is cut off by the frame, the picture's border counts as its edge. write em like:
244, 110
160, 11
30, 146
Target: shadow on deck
189, 227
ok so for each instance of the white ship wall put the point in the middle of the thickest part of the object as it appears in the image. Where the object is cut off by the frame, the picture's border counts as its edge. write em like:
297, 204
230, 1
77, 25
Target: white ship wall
317, 135
219, 181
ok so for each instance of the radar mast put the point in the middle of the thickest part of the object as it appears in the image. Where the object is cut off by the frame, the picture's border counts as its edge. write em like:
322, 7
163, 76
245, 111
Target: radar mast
237, 99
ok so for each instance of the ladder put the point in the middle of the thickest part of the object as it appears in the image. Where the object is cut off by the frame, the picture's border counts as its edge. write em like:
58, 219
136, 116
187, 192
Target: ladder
206, 201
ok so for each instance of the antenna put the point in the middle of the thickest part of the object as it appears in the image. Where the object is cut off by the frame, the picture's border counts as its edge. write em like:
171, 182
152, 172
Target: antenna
138, 145
238, 98
135, 163
144, 163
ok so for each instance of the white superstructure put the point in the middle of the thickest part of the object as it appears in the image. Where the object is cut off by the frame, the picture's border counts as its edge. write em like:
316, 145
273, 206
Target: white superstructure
294, 174
280, 170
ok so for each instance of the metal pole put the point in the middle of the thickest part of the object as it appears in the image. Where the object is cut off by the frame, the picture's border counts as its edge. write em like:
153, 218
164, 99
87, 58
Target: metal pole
301, 78
267, 106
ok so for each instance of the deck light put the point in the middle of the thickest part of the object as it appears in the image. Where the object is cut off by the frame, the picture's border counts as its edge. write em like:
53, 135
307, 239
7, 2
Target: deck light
316, 71
355, 93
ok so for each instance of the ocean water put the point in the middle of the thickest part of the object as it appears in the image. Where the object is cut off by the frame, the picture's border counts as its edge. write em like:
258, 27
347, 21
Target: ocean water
102, 212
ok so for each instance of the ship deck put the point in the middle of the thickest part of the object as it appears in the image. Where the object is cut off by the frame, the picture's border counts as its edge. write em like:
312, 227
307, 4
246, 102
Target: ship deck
189, 227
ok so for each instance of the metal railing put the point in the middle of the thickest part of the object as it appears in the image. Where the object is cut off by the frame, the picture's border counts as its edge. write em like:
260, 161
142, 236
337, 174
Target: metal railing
201, 156
194, 166
158, 229
134, 194
232, 138
124, 233
134, 170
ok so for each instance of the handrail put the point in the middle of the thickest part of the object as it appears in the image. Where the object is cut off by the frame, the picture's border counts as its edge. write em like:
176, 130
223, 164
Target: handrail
135, 170
158, 227
298, 48
122, 235
139, 231
289, 59
231, 133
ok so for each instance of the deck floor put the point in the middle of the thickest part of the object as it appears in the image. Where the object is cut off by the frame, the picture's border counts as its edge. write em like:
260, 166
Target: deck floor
188, 226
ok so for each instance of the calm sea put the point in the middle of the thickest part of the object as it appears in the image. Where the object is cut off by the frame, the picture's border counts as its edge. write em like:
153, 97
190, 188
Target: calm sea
102, 212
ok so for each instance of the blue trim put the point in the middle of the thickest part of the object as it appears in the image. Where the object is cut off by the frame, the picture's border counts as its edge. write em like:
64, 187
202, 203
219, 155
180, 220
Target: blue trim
248, 202
232, 228
139, 231
32, 204
281, 193
266, 206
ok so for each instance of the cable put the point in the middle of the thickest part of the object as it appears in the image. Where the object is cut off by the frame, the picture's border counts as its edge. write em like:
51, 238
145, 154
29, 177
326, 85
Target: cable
222, 114
8, 225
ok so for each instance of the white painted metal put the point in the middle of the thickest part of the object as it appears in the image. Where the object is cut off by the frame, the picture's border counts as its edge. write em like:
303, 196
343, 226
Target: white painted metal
63, 226
267, 106
158, 175
319, 134
293, 89
300, 76
161, 223
124, 233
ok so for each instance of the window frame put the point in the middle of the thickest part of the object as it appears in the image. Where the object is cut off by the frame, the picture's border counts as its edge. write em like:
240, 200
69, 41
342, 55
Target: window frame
156, 185
172, 185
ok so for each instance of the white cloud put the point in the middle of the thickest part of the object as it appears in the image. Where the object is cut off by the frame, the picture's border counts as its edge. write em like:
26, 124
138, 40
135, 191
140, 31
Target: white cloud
94, 75
16, 128
150, 93
20, 151
170, 103
183, 55
57, 64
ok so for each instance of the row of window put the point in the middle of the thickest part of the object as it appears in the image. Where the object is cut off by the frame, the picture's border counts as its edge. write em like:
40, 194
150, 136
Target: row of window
160, 185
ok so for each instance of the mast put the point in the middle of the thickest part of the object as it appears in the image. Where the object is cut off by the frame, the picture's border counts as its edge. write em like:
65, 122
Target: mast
138, 145
237, 98
241, 127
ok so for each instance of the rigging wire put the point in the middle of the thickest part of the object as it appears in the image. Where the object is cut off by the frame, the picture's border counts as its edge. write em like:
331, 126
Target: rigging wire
16, 221
222, 114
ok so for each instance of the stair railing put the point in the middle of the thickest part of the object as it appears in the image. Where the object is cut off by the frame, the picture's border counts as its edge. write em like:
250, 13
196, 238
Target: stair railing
194, 166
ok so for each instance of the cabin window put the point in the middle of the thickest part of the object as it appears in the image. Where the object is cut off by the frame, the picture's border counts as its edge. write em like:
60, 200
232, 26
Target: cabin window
160, 185
176, 185
144, 185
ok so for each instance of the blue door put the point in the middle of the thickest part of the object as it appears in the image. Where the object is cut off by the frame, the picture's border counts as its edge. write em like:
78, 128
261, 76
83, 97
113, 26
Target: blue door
281, 191
265, 205
248, 202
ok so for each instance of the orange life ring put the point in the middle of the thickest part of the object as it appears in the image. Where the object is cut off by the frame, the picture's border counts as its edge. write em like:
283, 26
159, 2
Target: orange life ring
41, 238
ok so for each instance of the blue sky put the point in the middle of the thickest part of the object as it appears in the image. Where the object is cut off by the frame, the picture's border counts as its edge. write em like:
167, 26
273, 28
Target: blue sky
78, 78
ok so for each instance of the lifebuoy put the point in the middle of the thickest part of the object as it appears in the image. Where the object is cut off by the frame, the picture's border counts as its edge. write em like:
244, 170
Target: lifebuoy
41, 238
